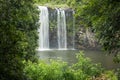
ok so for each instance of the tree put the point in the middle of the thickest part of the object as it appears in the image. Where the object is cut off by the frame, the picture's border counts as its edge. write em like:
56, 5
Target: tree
17, 26
104, 18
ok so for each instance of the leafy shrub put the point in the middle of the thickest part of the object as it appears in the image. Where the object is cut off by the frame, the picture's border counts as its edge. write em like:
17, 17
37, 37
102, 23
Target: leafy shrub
84, 69
45, 71
107, 75
110, 75
18, 36
118, 73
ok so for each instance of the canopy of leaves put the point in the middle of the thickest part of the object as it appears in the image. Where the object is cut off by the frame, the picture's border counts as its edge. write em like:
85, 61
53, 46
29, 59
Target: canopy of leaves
18, 35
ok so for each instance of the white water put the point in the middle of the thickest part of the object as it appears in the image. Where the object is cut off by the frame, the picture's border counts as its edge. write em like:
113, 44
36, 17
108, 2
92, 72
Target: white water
44, 28
62, 32
44, 42
73, 30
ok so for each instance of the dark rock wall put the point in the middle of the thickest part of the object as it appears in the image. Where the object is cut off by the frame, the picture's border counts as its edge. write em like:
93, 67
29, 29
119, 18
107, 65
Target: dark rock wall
53, 27
83, 38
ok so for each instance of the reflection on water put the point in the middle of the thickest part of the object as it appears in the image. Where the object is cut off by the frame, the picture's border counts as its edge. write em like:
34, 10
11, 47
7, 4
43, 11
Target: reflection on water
70, 57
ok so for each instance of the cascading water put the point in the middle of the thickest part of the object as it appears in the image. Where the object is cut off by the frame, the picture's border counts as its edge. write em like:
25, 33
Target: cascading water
62, 32
56, 29
73, 39
44, 28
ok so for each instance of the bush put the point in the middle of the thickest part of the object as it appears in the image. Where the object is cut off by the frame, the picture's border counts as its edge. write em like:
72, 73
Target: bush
18, 36
84, 69
44, 71
107, 75
118, 73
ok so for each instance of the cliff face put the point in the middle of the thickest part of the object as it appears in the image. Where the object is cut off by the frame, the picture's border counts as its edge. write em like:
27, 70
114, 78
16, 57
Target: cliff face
85, 39
53, 27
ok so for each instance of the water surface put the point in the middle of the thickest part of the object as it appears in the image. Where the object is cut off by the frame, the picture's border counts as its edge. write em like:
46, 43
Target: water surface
69, 56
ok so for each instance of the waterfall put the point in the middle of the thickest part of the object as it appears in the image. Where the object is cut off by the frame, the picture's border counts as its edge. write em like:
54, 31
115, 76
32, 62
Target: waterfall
73, 29
62, 32
44, 28
56, 30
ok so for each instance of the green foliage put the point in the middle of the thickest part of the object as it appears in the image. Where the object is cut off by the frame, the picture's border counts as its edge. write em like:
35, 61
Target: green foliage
84, 69
110, 75
118, 73
53, 3
117, 59
18, 36
103, 17
44, 71
107, 75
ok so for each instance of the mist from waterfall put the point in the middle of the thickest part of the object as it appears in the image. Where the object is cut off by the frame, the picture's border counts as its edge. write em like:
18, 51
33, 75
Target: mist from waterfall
62, 32
44, 28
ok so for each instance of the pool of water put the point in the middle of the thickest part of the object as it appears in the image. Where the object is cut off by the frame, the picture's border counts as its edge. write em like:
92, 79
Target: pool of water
69, 56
